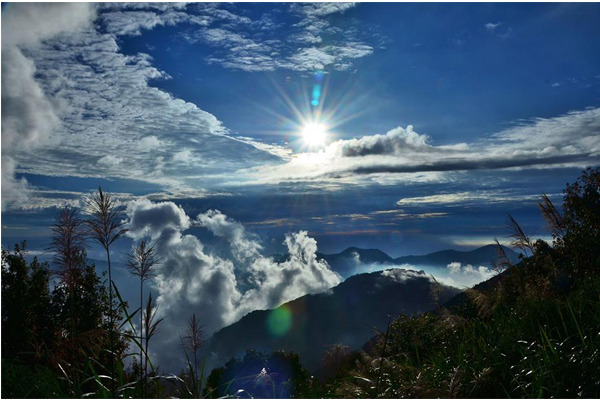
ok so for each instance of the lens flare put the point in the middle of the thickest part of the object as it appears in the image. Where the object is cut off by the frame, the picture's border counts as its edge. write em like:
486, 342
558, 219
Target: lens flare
314, 134
316, 95
279, 321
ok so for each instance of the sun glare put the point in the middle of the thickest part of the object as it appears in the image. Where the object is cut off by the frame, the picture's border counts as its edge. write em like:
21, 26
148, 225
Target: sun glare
314, 134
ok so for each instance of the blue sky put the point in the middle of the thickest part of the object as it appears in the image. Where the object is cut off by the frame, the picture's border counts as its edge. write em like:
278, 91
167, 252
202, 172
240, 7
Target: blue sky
438, 120
204, 105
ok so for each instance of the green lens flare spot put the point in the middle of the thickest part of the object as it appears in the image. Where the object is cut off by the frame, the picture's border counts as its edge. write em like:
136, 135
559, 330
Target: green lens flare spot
279, 321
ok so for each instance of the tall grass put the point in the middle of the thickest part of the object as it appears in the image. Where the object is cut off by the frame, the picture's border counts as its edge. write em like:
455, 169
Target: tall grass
106, 226
192, 341
141, 263
533, 347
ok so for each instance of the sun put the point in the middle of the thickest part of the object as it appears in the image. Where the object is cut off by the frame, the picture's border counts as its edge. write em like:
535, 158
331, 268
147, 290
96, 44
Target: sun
314, 134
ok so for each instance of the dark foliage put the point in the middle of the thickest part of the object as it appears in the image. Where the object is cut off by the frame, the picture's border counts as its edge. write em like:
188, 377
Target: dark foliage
531, 331
581, 224
28, 325
56, 331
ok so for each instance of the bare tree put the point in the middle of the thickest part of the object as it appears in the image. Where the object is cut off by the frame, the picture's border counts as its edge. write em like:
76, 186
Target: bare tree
141, 263
193, 340
106, 226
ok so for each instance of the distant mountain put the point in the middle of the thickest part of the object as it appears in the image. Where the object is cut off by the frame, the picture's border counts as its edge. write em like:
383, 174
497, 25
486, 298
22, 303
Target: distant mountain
354, 261
480, 256
345, 314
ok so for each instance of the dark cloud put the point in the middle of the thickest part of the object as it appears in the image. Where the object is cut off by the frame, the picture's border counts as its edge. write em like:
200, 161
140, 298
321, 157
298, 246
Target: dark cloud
467, 165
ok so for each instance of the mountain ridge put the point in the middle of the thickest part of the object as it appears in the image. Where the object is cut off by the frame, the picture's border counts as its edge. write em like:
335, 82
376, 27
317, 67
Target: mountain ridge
354, 260
346, 314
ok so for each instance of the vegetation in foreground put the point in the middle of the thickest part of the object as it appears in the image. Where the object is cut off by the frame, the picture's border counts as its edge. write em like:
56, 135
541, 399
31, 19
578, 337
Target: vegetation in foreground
532, 331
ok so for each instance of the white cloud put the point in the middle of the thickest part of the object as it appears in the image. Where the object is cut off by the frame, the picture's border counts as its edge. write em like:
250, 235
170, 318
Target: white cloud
498, 29
28, 115
306, 38
572, 139
462, 198
151, 219
276, 283
577, 132
90, 107
192, 279
322, 9
455, 275
133, 22
403, 273
490, 26
14, 191
467, 275
277, 150
243, 244
28, 23
310, 59
109, 161
302, 50
182, 156
150, 143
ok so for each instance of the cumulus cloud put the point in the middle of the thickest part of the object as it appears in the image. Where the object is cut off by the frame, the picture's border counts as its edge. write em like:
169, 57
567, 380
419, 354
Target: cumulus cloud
243, 244
467, 275
277, 283
192, 279
396, 141
30, 23
151, 219
14, 191
28, 115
